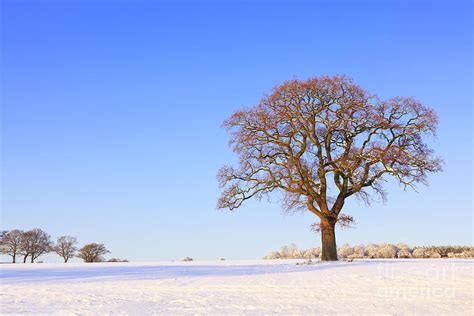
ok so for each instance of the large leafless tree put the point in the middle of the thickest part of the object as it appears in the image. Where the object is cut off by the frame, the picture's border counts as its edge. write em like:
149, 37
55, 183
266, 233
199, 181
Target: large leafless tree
35, 243
323, 140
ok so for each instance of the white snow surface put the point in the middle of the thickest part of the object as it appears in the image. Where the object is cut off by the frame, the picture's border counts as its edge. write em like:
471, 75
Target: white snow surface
411, 286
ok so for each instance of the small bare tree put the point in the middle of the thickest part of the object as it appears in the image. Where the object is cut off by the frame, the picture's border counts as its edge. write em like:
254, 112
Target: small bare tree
66, 247
35, 243
10, 243
323, 140
92, 252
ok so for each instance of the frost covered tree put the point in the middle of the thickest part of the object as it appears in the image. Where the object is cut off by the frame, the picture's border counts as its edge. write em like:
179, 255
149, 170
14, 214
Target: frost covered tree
92, 252
66, 247
322, 140
10, 243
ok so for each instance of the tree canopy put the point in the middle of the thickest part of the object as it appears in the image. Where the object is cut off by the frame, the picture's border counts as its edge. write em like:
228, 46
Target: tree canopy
322, 140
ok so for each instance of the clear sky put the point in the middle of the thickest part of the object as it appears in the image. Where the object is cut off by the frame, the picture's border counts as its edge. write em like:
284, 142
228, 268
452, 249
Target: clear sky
112, 112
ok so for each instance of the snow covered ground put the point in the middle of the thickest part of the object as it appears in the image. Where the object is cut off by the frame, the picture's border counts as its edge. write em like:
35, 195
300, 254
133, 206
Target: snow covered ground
425, 286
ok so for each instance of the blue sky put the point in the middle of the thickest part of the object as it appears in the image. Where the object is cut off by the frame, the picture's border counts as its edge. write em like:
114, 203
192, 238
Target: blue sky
112, 112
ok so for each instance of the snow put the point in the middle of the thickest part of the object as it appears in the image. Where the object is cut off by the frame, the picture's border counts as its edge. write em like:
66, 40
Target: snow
391, 286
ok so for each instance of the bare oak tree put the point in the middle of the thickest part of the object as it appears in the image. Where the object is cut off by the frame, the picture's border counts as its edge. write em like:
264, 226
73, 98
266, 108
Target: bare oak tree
66, 247
322, 140
92, 252
35, 243
10, 243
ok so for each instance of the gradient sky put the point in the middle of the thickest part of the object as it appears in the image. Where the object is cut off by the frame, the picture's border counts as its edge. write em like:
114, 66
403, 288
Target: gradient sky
112, 112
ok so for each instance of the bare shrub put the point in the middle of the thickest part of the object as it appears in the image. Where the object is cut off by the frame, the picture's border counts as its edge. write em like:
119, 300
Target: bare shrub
419, 253
433, 254
312, 253
345, 251
359, 252
372, 250
376, 251
404, 251
387, 251
467, 254
272, 255
445, 250
117, 260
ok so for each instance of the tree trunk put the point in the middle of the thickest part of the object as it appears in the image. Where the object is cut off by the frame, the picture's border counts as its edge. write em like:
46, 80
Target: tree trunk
328, 240
32, 258
14, 258
24, 258
66, 259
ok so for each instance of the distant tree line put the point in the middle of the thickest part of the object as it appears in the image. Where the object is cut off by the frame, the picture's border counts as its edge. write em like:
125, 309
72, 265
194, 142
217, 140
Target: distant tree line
376, 251
36, 242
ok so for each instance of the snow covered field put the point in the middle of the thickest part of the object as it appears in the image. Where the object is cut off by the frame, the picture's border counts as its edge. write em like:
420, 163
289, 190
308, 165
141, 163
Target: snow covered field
424, 286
